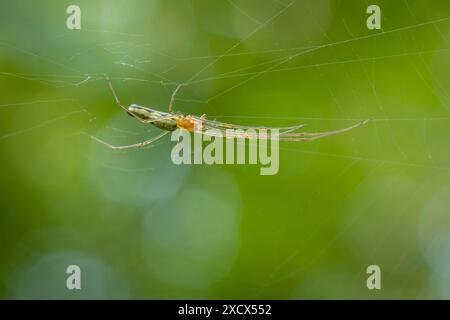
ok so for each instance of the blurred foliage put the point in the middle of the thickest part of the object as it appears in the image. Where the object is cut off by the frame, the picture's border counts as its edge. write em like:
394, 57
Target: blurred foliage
141, 227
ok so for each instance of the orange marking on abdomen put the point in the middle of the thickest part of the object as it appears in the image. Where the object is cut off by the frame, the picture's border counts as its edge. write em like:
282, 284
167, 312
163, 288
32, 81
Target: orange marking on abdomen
186, 124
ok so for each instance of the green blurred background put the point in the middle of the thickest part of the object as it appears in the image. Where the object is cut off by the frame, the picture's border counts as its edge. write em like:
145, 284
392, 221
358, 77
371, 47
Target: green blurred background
141, 227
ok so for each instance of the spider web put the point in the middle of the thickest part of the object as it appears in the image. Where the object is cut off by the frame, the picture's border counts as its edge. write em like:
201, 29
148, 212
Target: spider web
233, 80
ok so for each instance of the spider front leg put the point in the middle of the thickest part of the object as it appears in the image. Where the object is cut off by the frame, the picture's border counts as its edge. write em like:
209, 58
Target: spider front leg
116, 98
136, 145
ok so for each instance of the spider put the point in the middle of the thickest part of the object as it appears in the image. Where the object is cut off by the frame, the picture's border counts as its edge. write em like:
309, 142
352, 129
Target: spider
170, 121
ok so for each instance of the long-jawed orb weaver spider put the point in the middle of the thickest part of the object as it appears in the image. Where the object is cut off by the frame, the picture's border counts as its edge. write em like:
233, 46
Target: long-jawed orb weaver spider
170, 121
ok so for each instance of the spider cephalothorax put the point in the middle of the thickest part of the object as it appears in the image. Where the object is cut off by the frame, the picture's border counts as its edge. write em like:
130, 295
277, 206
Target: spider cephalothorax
161, 120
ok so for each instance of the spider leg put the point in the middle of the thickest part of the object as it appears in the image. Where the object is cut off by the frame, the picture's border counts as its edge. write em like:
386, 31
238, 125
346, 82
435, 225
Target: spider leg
308, 136
283, 136
116, 98
172, 99
136, 145
305, 138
